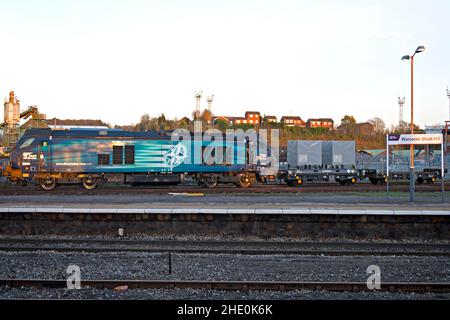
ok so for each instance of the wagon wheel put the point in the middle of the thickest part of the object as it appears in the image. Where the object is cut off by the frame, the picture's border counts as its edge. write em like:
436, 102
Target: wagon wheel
244, 181
48, 183
89, 183
210, 181
294, 183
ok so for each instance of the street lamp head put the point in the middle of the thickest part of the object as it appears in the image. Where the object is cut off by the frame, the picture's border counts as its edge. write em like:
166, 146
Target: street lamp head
406, 58
420, 49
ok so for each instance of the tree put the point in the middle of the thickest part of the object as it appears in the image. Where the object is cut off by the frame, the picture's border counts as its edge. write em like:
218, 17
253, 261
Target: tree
184, 123
378, 125
145, 123
162, 119
221, 124
404, 127
348, 121
206, 116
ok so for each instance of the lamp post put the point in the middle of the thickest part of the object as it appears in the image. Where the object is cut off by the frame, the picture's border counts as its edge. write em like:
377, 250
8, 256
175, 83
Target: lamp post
412, 178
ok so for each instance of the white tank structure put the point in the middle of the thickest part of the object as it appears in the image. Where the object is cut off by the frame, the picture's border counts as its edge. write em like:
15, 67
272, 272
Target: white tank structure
12, 120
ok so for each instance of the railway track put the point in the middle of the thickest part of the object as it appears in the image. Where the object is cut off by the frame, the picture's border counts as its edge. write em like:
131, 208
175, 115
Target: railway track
226, 247
232, 285
258, 189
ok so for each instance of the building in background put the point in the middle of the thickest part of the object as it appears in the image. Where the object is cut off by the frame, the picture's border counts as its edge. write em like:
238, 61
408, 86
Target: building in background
228, 120
270, 119
253, 117
240, 120
289, 121
320, 123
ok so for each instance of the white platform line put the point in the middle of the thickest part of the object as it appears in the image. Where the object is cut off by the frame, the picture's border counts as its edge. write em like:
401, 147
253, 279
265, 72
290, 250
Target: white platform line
228, 211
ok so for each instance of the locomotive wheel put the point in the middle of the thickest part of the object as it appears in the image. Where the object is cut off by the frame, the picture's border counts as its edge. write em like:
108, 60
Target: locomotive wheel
343, 182
420, 181
89, 183
244, 181
374, 181
48, 184
210, 181
294, 183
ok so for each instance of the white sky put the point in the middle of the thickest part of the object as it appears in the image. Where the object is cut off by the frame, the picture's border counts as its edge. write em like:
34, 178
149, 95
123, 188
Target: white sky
115, 60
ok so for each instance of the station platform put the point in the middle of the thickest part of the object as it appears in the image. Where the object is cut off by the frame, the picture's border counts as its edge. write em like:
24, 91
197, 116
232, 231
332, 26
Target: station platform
230, 209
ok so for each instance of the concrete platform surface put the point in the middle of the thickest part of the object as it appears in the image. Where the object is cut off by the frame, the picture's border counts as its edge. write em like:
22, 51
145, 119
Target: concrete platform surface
189, 208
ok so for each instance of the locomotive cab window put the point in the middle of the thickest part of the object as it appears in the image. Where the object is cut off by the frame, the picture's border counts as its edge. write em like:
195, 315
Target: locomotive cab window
27, 143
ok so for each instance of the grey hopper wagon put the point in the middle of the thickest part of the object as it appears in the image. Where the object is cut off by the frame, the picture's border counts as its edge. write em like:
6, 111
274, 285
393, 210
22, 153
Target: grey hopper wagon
320, 161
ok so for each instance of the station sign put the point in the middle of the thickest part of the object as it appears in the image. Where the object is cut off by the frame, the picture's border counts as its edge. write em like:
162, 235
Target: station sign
415, 139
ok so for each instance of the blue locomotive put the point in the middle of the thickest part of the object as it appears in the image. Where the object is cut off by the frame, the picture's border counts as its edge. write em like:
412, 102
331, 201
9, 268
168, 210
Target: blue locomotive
90, 157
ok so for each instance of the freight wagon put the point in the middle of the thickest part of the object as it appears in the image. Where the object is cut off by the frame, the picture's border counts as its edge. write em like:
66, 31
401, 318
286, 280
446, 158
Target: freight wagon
92, 157
320, 161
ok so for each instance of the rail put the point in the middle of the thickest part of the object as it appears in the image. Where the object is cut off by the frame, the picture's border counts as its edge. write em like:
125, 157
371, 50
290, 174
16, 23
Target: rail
233, 285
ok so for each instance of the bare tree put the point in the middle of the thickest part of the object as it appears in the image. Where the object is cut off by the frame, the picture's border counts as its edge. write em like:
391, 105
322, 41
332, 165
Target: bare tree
379, 125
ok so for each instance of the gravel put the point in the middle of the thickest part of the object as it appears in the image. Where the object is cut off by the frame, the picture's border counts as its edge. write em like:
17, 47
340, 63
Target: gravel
199, 238
190, 294
150, 266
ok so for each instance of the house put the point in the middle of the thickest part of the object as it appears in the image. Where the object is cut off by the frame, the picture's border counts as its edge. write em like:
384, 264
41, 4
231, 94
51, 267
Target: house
228, 120
253, 117
364, 128
320, 123
293, 121
240, 120
270, 119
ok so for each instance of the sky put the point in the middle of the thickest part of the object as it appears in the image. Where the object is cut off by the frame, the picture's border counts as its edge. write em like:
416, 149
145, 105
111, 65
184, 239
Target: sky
116, 60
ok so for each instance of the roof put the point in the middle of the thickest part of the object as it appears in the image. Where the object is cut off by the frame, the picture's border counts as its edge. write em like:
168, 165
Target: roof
253, 112
270, 117
65, 127
94, 133
291, 118
222, 117
75, 122
321, 119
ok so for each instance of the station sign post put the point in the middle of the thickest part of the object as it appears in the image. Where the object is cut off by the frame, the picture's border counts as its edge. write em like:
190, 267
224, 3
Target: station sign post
411, 140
